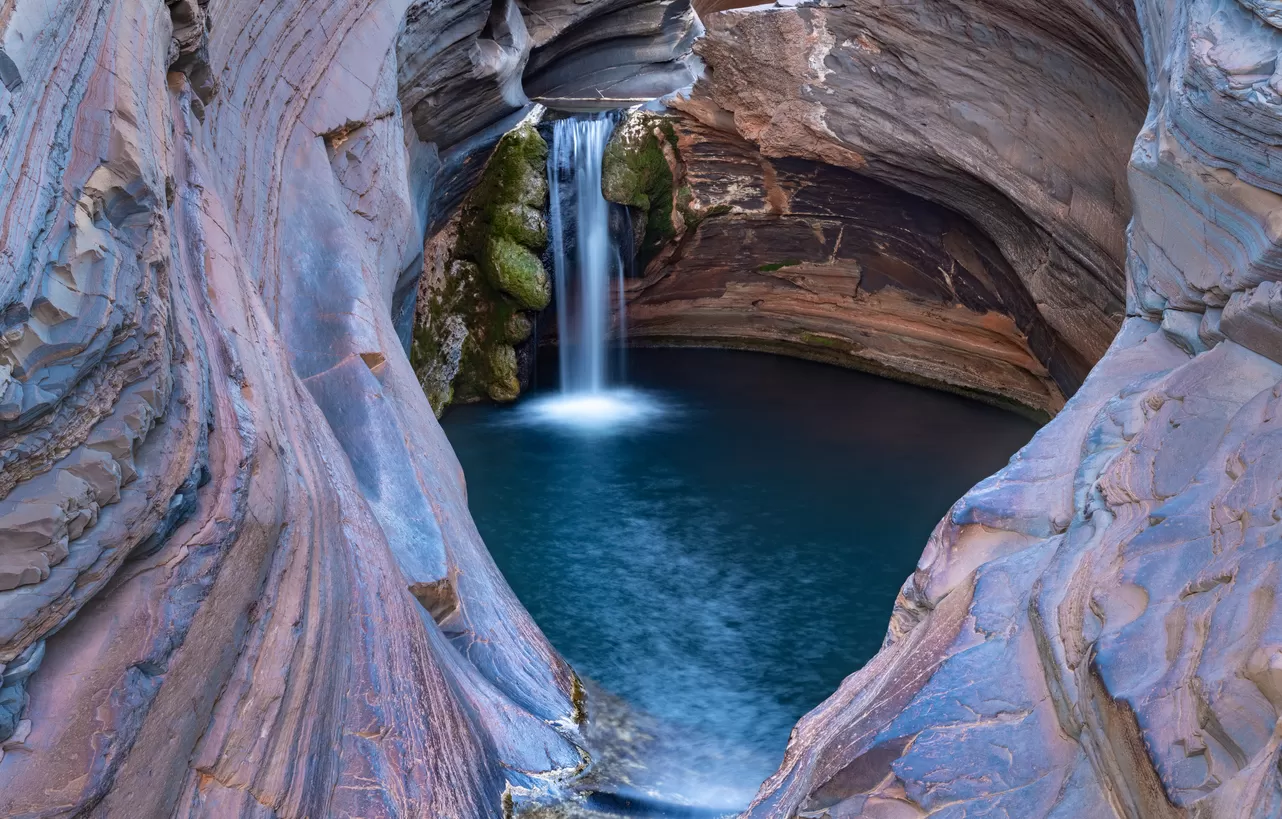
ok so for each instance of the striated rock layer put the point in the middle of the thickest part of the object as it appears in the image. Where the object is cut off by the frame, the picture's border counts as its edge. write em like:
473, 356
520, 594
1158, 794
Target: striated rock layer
795, 256
237, 571
1017, 120
1095, 630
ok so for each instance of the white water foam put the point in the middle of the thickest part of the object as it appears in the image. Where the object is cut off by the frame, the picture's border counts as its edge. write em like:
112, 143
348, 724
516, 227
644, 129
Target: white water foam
598, 411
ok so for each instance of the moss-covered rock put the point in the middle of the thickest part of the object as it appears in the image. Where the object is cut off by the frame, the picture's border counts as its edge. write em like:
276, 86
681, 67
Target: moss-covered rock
503, 382
510, 199
518, 328
514, 269
487, 271
521, 223
637, 171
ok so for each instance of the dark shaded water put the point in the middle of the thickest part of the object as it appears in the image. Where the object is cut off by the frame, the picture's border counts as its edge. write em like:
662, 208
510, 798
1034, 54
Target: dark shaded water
725, 563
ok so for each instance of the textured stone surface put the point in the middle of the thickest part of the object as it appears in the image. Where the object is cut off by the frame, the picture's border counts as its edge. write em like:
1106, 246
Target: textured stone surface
1018, 117
481, 274
469, 70
602, 54
791, 255
237, 571
1094, 631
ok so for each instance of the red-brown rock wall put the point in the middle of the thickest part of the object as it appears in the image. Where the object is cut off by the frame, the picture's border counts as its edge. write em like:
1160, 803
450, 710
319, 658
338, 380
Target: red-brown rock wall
813, 260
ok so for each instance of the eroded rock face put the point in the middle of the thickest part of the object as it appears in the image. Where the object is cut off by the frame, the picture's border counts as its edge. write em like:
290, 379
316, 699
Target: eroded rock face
1094, 631
795, 256
1018, 118
237, 572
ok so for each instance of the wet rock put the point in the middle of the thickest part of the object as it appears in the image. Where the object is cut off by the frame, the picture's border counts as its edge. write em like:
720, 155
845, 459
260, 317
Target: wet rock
600, 55
10, 76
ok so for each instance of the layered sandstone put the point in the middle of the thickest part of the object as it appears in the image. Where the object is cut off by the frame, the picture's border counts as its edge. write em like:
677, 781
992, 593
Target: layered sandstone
1093, 631
237, 571
795, 256
1018, 119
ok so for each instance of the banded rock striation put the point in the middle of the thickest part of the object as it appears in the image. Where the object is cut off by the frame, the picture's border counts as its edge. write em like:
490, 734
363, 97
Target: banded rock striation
1094, 631
795, 256
1018, 120
237, 571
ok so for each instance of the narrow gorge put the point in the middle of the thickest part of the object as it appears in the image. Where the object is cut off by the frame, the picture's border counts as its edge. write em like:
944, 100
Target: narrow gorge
258, 259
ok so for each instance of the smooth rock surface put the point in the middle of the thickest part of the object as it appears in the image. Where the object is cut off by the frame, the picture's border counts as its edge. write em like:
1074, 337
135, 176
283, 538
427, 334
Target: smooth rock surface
1020, 118
239, 575
237, 571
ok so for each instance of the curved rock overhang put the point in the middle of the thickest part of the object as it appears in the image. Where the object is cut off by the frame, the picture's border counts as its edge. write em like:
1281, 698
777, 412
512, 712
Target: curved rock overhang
796, 256
470, 69
1019, 123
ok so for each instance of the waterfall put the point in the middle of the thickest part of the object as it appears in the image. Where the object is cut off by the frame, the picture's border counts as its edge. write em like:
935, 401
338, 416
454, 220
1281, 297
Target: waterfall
589, 265
584, 284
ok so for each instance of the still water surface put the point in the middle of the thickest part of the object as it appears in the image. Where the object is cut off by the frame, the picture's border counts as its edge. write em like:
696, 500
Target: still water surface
727, 552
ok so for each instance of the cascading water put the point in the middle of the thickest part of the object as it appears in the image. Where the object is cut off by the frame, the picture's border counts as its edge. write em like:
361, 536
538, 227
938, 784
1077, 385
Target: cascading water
583, 284
588, 269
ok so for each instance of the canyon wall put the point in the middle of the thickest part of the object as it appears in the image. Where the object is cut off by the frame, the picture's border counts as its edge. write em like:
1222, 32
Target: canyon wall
237, 571
803, 258
1094, 631
990, 260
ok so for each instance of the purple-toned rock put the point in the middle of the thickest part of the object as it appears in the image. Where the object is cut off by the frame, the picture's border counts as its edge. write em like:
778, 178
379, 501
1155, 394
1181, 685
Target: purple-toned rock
238, 576
1094, 630
237, 571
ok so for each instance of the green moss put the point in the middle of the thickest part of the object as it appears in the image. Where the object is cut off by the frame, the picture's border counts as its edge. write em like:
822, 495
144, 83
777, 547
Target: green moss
578, 699
461, 347
825, 341
769, 268
503, 383
520, 223
636, 171
517, 328
515, 172
514, 269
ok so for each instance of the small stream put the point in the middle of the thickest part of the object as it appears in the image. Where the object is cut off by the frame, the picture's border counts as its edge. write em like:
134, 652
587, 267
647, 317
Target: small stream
727, 550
